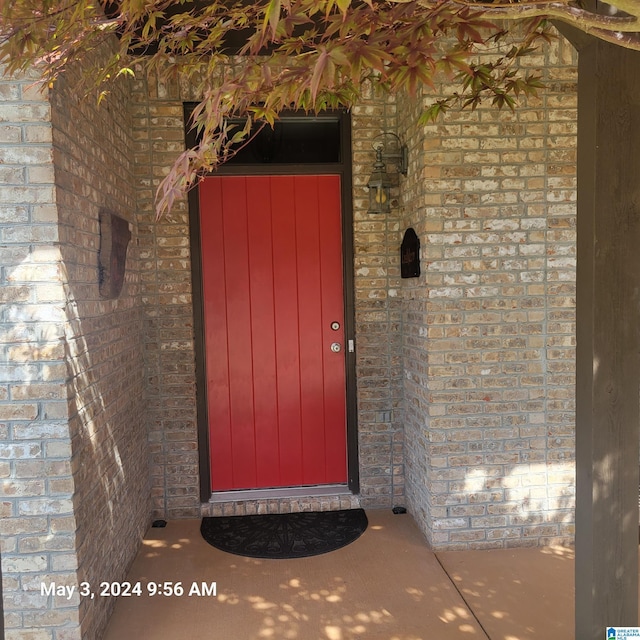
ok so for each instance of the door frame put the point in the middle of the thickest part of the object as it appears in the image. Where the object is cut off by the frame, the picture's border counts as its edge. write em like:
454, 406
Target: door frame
343, 168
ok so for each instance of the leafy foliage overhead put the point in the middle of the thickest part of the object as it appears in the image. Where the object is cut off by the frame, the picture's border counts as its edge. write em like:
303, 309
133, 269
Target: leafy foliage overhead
296, 54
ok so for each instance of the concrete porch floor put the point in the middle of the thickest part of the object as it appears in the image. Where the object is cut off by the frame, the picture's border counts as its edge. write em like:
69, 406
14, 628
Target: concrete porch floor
386, 585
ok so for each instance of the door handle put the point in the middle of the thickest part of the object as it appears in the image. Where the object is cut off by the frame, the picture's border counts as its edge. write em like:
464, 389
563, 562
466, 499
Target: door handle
336, 347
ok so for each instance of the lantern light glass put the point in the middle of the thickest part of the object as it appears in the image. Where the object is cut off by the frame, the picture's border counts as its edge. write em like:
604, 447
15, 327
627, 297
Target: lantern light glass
379, 187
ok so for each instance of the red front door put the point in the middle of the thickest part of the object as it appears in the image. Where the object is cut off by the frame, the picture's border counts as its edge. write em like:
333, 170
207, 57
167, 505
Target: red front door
273, 307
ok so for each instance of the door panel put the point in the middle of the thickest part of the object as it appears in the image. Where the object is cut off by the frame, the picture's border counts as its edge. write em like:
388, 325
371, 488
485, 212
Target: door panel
272, 282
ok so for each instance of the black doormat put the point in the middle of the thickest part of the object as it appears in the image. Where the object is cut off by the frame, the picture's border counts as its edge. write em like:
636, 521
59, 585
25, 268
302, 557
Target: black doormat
285, 535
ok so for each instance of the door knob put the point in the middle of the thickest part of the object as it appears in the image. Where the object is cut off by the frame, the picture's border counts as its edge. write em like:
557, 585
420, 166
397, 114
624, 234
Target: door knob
336, 347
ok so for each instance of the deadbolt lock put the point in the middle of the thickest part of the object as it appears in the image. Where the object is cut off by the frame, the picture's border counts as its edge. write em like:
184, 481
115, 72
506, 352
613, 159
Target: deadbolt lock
335, 326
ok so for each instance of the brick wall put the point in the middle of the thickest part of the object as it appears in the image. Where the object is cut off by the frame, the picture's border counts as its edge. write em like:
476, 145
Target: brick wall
488, 328
37, 525
73, 446
378, 317
93, 170
158, 132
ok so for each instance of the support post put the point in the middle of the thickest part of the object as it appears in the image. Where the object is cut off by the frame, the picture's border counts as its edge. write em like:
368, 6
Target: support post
608, 339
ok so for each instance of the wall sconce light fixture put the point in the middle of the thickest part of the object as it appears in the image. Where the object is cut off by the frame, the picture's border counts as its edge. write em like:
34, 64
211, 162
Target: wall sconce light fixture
379, 187
380, 182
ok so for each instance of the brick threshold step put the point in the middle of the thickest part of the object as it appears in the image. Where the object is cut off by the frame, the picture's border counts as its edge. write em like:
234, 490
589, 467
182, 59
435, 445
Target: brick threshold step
316, 491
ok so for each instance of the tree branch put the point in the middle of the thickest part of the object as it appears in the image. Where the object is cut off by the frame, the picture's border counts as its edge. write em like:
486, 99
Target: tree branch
626, 40
585, 20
